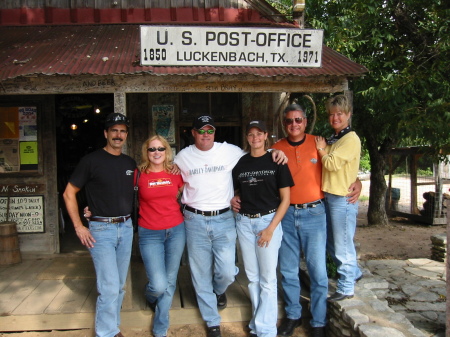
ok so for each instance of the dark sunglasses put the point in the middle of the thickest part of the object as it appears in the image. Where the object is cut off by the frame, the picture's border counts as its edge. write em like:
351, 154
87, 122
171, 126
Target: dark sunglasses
289, 121
153, 149
209, 132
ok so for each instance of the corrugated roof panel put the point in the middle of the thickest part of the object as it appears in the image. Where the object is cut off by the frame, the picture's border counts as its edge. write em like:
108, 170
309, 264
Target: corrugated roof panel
114, 49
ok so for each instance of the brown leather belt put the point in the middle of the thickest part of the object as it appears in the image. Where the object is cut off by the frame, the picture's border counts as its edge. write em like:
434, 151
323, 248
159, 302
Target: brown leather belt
258, 215
308, 205
206, 213
113, 219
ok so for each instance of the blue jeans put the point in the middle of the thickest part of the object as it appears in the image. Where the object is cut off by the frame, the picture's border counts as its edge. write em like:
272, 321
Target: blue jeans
305, 230
161, 252
211, 244
111, 256
341, 218
261, 268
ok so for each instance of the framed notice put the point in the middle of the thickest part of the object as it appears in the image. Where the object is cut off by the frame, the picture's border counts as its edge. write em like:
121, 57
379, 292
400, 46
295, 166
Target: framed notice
26, 211
18, 139
163, 121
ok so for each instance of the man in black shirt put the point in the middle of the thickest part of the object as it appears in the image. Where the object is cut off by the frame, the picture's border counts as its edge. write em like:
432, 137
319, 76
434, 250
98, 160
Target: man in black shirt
107, 175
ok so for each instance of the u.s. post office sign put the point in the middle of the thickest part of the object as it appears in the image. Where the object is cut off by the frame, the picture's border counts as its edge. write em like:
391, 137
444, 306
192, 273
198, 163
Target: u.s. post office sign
230, 46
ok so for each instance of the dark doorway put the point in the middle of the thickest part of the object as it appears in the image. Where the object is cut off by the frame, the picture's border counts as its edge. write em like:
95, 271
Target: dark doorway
224, 107
79, 123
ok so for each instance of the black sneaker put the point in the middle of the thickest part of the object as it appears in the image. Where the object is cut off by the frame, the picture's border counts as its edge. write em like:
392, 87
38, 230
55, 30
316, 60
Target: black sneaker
287, 327
221, 301
318, 332
213, 331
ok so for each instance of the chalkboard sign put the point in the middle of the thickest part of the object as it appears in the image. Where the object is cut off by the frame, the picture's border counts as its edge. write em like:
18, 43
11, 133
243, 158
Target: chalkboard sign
26, 211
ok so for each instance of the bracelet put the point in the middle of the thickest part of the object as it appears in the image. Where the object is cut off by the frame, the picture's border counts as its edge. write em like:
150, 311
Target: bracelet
320, 149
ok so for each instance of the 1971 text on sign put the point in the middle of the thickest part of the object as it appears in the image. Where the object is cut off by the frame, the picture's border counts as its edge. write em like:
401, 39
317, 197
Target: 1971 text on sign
222, 46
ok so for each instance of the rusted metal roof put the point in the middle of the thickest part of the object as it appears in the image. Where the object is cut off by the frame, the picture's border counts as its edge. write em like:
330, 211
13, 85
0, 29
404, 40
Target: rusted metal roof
115, 50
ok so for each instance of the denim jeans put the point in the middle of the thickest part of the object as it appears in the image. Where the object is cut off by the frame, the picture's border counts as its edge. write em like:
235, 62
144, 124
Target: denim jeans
261, 268
305, 230
211, 244
161, 251
111, 256
341, 218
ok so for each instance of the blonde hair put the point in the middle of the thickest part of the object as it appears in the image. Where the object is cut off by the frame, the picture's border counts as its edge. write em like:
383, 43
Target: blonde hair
339, 101
168, 161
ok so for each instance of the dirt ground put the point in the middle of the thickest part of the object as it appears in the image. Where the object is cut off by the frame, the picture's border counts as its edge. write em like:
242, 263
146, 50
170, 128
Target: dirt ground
402, 239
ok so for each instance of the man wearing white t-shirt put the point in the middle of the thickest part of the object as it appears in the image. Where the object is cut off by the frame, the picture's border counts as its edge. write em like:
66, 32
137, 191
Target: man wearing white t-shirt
209, 221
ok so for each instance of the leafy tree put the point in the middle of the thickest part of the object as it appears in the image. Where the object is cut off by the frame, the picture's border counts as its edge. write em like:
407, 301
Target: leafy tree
404, 100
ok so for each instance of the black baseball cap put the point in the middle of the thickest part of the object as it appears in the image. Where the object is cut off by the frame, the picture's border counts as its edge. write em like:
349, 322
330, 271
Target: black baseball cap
116, 118
256, 124
202, 121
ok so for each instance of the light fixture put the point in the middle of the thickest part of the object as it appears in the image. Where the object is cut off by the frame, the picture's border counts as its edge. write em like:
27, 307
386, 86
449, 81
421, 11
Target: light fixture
97, 111
299, 6
86, 120
74, 126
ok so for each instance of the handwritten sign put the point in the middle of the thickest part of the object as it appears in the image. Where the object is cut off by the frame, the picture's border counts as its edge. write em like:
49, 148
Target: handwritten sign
230, 46
20, 189
26, 211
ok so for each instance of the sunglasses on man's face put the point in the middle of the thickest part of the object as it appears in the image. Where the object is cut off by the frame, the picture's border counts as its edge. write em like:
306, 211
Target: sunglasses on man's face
209, 132
153, 149
289, 121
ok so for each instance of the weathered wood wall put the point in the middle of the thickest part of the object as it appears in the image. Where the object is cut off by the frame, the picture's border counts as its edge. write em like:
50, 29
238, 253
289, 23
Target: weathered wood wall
47, 242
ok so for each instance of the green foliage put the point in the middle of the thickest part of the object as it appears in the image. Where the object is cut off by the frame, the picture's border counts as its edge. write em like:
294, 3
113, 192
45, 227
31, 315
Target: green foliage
331, 267
405, 45
364, 163
425, 173
283, 6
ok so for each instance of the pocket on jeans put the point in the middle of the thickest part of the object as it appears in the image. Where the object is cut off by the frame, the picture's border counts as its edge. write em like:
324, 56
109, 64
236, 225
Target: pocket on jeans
188, 215
98, 226
319, 210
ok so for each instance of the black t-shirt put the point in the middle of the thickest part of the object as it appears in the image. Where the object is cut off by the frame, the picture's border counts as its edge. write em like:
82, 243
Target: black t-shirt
108, 182
259, 179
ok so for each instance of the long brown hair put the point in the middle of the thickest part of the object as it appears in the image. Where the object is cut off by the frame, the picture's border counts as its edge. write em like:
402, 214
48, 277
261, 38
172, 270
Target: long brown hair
168, 161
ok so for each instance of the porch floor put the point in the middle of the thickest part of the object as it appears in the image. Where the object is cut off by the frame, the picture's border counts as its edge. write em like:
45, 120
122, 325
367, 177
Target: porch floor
58, 292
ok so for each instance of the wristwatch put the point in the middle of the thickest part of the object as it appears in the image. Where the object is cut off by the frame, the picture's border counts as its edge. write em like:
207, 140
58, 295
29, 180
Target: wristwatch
320, 149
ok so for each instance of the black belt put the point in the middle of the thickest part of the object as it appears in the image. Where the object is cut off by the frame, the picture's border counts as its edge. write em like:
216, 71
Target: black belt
258, 215
308, 205
114, 219
206, 213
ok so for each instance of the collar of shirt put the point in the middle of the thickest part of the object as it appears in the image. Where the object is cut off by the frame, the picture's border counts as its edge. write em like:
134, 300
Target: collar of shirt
334, 138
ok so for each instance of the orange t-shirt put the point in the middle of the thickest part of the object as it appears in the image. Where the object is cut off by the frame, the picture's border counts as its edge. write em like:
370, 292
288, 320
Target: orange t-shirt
306, 169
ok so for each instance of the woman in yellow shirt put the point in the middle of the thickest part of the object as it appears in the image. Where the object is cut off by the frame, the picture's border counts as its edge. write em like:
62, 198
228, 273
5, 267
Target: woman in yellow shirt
340, 156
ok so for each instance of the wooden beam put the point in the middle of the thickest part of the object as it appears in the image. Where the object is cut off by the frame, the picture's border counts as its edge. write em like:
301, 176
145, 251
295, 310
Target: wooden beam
169, 83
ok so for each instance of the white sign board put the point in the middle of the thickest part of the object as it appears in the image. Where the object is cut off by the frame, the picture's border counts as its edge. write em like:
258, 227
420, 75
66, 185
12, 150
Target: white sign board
230, 46
26, 211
